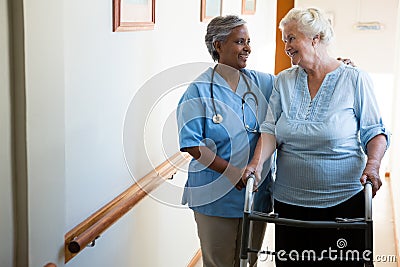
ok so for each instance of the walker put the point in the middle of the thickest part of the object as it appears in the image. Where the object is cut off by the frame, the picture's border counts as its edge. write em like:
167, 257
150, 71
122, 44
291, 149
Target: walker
339, 223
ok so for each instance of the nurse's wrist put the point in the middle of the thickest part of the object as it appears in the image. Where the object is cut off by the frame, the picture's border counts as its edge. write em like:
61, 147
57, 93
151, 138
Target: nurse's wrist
233, 173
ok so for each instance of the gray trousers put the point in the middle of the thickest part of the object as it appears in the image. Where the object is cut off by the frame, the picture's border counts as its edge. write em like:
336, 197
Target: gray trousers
220, 240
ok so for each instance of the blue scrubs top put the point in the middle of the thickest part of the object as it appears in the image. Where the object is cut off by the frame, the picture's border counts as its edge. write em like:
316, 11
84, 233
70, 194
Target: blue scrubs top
206, 191
322, 141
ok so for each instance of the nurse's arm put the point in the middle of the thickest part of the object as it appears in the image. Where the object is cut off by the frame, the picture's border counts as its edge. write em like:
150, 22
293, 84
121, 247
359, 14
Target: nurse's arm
209, 159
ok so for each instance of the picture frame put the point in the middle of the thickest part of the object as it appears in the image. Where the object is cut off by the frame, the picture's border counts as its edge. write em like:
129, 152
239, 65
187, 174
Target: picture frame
133, 15
248, 7
210, 9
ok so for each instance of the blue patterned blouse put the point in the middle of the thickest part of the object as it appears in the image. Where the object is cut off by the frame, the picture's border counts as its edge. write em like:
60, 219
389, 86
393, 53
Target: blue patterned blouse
322, 141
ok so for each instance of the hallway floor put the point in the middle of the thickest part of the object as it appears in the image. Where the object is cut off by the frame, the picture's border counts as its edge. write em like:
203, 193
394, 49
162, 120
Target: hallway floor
384, 240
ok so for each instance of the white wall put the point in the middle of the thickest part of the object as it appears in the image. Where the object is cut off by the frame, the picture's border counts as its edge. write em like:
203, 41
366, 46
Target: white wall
362, 46
6, 200
395, 157
45, 126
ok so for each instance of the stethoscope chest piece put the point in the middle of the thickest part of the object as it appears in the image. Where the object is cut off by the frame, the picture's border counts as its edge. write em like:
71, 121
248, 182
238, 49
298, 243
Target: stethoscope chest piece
217, 118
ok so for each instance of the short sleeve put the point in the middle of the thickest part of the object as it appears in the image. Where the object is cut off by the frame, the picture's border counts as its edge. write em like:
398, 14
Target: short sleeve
367, 111
191, 118
273, 112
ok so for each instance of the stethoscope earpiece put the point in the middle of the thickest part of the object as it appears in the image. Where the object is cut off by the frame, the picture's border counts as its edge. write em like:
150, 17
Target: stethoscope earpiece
217, 118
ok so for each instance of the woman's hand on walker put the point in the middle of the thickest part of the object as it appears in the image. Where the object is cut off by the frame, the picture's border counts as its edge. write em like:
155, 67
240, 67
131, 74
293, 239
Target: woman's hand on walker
371, 173
251, 170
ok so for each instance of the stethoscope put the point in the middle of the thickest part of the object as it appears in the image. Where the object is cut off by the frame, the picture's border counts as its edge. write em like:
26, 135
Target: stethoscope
217, 118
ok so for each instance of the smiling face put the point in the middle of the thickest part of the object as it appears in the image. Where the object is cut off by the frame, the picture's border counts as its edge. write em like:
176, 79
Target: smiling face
299, 47
235, 50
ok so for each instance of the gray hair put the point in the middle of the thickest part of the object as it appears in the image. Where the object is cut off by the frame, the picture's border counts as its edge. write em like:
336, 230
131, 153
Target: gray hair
218, 30
311, 22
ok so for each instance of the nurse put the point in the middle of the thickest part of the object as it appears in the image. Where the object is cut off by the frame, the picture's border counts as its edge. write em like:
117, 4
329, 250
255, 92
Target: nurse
218, 125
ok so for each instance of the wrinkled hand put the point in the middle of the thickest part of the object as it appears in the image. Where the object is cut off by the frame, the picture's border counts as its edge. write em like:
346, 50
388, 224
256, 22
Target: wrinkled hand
251, 170
371, 173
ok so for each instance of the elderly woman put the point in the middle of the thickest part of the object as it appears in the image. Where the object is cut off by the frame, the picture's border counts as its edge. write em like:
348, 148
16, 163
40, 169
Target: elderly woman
218, 125
325, 124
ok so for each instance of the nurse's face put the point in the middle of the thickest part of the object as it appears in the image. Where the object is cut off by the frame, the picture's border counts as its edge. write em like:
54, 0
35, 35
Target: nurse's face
235, 50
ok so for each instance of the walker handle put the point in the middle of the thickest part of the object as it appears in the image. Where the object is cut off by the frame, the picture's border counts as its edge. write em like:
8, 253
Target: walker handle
248, 201
368, 200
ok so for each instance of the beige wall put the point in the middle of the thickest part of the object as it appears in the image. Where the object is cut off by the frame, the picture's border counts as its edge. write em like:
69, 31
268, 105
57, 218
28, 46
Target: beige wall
45, 129
6, 199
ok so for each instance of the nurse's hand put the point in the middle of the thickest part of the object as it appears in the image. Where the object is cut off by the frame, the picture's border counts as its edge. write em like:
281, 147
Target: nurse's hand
347, 61
240, 185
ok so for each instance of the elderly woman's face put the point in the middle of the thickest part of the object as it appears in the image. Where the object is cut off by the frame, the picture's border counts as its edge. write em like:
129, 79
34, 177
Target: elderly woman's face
298, 46
235, 50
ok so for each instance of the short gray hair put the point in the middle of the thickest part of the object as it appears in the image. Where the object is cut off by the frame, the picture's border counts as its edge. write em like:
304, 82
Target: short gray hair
310, 21
218, 30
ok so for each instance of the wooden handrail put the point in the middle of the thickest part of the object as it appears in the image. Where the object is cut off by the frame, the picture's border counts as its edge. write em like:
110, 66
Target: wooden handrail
91, 228
196, 259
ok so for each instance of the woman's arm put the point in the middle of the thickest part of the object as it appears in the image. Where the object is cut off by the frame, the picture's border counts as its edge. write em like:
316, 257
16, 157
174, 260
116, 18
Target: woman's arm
209, 159
376, 148
266, 146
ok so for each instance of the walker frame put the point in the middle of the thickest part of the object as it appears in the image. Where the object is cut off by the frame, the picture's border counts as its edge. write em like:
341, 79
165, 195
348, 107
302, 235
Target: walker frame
249, 215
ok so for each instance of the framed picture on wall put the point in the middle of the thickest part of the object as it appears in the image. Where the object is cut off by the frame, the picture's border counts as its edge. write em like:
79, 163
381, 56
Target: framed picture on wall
248, 7
133, 15
210, 9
